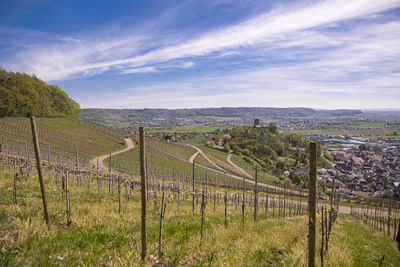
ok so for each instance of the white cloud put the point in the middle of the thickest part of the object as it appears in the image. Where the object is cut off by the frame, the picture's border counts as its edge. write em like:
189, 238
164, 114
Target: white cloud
73, 57
139, 70
359, 70
186, 65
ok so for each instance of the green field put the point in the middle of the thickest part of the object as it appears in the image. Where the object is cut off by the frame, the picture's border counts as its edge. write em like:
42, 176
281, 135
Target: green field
188, 129
178, 150
327, 130
368, 125
63, 135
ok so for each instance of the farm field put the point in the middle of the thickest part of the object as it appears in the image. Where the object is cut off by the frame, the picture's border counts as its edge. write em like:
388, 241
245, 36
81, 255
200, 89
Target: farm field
101, 235
63, 135
188, 129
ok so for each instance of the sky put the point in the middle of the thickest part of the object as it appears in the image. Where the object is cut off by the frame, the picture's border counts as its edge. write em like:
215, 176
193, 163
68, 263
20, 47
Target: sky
209, 53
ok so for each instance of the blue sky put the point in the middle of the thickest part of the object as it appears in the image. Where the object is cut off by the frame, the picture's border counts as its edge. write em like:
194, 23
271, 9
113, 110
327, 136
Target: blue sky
203, 53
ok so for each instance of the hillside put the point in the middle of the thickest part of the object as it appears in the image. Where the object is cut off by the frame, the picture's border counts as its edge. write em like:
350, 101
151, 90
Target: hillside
100, 235
63, 135
24, 95
271, 150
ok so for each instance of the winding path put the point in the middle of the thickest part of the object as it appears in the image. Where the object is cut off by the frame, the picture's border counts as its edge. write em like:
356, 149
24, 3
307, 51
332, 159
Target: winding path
99, 160
249, 179
206, 157
191, 159
228, 159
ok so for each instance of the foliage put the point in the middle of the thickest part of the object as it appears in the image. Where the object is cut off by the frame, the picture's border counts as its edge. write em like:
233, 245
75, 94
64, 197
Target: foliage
275, 152
25, 95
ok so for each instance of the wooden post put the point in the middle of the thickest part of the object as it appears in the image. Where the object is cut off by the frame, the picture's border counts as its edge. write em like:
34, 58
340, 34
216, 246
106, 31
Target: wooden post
109, 172
63, 186
322, 237
143, 192
119, 194
203, 207
179, 199
226, 208
312, 188
98, 186
69, 221
326, 229
15, 183
193, 188
39, 167
48, 160
389, 212
163, 204
243, 202
284, 200
147, 179
77, 165
256, 197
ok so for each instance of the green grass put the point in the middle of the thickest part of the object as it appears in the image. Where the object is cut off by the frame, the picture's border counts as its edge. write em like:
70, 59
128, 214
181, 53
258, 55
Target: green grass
63, 135
99, 235
202, 161
160, 163
264, 177
368, 125
179, 150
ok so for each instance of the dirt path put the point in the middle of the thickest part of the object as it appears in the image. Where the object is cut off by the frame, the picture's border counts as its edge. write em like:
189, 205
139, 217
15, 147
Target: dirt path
342, 209
99, 160
228, 159
223, 171
191, 159
206, 157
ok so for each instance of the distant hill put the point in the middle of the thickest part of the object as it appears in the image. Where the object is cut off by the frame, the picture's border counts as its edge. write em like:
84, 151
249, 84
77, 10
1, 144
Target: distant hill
125, 118
25, 95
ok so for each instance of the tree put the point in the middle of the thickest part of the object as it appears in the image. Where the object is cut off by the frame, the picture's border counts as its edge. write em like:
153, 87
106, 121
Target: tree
25, 95
273, 128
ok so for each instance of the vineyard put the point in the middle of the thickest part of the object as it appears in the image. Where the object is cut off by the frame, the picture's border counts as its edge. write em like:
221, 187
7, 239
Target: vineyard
195, 214
63, 135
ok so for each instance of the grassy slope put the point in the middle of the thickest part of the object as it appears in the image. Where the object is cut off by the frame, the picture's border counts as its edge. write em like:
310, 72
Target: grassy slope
351, 244
181, 151
220, 158
160, 163
239, 161
100, 235
62, 134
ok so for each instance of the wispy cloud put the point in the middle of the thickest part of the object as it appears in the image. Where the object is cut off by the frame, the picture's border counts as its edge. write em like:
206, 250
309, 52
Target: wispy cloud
68, 58
358, 69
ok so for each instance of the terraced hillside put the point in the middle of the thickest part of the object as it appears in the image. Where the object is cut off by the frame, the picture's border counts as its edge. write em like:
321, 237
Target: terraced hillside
63, 135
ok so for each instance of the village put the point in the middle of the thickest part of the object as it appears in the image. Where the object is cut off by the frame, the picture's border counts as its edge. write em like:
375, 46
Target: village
361, 167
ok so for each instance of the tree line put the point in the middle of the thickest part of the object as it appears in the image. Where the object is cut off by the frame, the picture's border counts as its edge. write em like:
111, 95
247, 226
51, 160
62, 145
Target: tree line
25, 95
